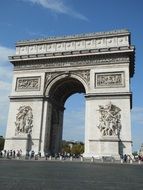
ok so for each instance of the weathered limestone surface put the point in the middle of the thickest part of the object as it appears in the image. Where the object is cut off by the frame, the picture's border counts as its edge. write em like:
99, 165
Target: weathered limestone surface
48, 71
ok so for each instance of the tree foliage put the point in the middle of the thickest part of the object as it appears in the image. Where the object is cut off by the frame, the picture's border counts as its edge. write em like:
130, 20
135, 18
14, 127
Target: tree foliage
75, 148
135, 153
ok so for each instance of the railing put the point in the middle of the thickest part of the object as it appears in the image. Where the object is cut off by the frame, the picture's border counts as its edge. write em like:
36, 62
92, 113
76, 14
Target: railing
103, 159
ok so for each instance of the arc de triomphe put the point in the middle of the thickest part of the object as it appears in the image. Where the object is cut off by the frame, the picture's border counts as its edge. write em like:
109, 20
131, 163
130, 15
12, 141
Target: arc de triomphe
48, 71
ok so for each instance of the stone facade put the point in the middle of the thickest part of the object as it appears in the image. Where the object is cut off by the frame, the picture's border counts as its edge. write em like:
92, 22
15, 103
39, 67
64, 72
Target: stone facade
48, 71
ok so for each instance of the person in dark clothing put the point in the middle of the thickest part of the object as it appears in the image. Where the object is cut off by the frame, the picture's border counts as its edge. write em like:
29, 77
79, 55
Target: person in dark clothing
125, 158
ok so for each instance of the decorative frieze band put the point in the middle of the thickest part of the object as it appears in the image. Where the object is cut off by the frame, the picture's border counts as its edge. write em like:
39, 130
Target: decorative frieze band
28, 83
72, 62
109, 80
72, 44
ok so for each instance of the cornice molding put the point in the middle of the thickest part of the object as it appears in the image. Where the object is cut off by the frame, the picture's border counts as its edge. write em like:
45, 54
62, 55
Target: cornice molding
17, 98
76, 44
76, 36
115, 94
111, 95
90, 52
72, 61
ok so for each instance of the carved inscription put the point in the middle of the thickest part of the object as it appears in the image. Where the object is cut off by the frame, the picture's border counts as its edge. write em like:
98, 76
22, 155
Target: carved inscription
24, 120
109, 79
110, 120
23, 84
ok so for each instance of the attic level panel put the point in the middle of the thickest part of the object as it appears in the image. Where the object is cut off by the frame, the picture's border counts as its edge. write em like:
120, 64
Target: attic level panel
77, 42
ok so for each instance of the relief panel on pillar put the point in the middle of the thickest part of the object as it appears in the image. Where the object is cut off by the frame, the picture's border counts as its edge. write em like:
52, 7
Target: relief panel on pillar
110, 120
109, 80
28, 84
24, 120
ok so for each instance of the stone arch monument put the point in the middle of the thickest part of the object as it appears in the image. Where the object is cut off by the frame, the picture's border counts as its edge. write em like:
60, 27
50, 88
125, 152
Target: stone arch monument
48, 71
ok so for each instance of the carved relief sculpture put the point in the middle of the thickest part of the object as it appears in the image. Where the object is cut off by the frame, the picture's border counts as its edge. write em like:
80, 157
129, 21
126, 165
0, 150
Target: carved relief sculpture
84, 74
24, 120
109, 79
28, 83
110, 120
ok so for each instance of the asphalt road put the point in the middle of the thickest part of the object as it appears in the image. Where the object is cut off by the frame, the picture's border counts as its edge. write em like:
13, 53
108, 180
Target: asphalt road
60, 175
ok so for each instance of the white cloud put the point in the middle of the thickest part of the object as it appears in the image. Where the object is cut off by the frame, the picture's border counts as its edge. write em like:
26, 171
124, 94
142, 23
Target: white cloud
5, 85
5, 89
58, 6
4, 53
6, 72
5, 66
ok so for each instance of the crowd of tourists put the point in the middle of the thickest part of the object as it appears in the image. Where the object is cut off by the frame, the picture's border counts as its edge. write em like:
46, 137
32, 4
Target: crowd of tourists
17, 154
127, 158
11, 154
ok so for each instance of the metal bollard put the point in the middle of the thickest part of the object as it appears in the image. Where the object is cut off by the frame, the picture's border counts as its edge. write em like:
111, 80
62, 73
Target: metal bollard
81, 159
102, 160
131, 161
61, 158
112, 160
71, 158
50, 157
139, 162
92, 159
121, 161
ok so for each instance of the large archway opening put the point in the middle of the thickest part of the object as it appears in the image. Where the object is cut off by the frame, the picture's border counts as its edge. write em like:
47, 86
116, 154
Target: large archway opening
74, 126
59, 94
74, 118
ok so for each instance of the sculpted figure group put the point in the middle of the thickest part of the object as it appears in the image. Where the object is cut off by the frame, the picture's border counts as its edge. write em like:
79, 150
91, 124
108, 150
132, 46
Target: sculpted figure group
24, 120
110, 120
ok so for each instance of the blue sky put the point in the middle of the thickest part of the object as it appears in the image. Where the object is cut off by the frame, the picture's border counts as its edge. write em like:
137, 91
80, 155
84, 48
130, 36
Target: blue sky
32, 19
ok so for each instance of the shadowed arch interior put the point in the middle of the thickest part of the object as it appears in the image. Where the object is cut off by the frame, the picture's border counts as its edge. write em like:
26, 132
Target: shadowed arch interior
60, 91
64, 88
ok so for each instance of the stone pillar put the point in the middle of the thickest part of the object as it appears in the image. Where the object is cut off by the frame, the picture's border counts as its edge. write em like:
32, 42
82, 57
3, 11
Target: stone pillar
60, 131
92, 135
46, 127
56, 130
24, 121
107, 124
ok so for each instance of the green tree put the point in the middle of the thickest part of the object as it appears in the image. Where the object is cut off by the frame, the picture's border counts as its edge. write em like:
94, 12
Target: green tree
66, 147
77, 149
71, 147
135, 153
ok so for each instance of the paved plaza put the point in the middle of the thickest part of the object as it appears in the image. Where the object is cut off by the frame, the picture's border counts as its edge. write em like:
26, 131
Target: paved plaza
62, 175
